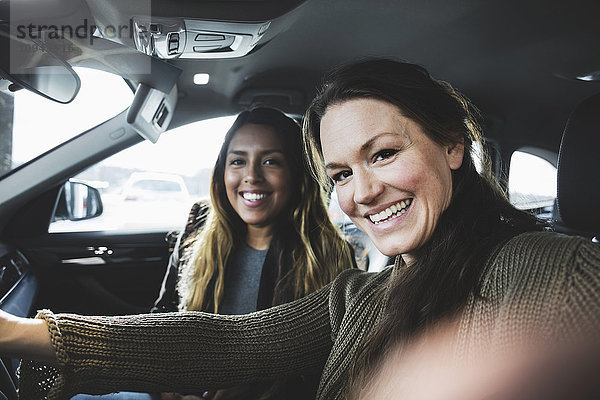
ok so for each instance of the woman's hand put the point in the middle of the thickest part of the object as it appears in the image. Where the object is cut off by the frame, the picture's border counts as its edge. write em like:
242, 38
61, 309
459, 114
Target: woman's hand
25, 338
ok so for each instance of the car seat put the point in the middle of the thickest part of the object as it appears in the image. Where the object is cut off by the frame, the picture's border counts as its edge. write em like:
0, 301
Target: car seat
196, 219
578, 196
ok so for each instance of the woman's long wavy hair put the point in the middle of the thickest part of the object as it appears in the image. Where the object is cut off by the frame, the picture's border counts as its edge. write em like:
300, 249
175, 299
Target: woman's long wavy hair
309, 241
448, 268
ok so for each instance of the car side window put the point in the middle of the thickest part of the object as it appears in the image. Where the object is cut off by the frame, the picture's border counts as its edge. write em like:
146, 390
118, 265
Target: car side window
31, 124
151, 187
532, 183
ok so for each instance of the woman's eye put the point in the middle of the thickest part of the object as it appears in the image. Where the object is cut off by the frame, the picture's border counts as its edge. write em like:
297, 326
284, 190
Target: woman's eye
236, 161
384, 154
341, 176
271, 161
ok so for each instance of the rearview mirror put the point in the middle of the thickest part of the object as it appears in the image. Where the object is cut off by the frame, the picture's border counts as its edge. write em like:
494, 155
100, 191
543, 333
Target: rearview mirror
77, 201
32, 66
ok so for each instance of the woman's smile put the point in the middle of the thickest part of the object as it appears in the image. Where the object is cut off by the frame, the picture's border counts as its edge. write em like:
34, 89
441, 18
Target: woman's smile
390, 213
254, 198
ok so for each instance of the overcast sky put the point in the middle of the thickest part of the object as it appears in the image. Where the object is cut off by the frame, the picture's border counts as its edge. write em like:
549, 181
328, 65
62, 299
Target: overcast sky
41, 124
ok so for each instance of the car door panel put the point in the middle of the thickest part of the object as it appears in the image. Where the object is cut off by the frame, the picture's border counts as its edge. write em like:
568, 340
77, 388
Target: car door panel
97, 272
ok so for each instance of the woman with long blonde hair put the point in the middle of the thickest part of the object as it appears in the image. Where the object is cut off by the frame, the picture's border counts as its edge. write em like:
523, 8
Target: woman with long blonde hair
265, 237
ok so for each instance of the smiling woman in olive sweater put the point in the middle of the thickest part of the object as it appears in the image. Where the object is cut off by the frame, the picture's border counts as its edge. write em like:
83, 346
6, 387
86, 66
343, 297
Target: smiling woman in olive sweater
397, 145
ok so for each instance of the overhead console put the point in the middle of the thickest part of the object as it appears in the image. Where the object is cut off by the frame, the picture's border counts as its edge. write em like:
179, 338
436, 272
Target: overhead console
196, 39
192, 29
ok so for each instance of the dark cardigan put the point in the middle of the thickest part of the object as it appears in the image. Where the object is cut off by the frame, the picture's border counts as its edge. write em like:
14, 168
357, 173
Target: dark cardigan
272, 271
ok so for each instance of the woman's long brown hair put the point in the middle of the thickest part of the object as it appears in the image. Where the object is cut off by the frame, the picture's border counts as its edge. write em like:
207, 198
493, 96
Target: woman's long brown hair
448, 268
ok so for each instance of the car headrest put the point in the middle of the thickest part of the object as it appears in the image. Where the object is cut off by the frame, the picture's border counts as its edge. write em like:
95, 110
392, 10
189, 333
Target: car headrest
579, 169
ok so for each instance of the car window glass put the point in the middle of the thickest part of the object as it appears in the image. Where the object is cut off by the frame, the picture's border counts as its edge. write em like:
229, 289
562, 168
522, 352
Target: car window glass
31, 124
151, 187
532, 183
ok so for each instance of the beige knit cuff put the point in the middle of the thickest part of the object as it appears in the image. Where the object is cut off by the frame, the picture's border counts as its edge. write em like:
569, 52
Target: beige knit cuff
55, 335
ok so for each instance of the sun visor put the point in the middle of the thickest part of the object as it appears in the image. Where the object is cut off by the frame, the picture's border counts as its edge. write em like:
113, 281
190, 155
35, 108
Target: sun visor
151, 111
155, 98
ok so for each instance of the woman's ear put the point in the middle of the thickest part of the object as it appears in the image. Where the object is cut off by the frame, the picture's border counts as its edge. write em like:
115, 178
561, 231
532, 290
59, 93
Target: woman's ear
454, 154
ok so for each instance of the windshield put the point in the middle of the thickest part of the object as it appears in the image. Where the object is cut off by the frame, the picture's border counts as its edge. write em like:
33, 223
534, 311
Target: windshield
30, 124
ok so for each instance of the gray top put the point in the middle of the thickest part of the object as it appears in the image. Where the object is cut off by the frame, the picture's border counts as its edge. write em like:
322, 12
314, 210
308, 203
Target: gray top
243, 280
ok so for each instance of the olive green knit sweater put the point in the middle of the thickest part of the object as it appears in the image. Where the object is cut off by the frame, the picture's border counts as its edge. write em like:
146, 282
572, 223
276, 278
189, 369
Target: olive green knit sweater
544, 280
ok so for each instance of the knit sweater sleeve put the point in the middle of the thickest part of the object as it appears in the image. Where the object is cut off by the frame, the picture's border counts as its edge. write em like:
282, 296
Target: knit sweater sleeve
557, 286
539, 283
182, 351
581, 308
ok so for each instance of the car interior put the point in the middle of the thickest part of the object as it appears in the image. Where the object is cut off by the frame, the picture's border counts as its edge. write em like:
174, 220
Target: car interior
531, 67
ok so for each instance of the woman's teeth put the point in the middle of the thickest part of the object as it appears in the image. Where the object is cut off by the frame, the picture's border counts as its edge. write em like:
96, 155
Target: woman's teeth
253, 196
391, 212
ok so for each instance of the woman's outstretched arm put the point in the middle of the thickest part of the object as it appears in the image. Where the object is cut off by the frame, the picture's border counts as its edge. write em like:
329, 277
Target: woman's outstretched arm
176, 351
26, 338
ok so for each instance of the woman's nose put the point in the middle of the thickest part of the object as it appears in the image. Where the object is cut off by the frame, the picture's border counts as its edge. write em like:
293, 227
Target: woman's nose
253, 174
366, 187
